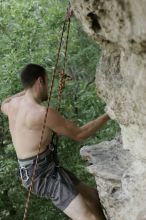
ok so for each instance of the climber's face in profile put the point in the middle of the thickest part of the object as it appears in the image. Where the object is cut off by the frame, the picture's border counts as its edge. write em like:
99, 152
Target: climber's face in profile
45, 90
42, 87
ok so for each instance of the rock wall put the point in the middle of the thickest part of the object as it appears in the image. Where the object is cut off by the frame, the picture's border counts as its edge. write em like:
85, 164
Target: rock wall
119, 26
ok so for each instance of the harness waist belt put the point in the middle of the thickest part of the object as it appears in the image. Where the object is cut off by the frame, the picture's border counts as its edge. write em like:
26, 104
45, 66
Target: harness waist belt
47, 154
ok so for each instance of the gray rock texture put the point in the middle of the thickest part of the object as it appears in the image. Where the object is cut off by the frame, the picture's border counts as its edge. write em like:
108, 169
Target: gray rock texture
119, 26
120, 178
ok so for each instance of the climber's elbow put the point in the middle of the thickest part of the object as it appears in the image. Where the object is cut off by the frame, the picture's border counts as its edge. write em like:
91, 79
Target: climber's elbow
80, 136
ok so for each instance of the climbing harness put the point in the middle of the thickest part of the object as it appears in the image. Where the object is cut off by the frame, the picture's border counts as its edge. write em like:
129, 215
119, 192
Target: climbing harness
62, 80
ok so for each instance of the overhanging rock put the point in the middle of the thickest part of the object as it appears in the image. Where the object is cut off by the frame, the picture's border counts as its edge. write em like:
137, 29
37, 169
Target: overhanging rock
120, 28
119, 178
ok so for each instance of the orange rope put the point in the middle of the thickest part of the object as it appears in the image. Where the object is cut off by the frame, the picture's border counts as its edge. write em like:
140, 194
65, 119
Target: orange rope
61, 86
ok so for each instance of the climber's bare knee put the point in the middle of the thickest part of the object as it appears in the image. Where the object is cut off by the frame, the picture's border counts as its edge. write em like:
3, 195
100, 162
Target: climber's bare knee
91, 197
79, 210
89, 193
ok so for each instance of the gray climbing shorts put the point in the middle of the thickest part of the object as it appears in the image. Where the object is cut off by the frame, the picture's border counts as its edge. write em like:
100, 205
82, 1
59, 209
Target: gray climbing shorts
52, 182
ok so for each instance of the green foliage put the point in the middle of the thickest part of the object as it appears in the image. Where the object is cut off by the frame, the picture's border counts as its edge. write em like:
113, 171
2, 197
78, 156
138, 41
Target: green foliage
30, 32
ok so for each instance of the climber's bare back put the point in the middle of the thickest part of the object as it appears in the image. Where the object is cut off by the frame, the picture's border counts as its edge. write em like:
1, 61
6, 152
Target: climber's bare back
26, 119
26, 126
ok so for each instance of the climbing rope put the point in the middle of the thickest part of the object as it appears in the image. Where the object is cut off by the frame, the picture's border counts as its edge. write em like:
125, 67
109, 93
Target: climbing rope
2, 131
62, 80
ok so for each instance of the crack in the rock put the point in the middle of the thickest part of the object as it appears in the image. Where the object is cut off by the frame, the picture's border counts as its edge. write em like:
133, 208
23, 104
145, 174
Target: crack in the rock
95, 22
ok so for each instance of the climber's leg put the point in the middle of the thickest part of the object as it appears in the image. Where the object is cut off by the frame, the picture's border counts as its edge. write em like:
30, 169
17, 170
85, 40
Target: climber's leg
79, 210
91, 197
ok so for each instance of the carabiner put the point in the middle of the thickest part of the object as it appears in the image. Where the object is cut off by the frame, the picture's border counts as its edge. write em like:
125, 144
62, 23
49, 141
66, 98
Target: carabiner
26, 174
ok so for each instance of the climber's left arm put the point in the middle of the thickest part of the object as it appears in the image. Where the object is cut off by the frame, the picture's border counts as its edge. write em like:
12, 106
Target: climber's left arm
4, 108
5, 103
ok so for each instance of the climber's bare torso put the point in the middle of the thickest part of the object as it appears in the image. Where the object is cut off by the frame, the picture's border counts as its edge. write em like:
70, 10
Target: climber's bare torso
26, 128
26, 119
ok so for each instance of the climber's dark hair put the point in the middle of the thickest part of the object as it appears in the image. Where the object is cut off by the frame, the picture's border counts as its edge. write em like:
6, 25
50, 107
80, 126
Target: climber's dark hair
30, 73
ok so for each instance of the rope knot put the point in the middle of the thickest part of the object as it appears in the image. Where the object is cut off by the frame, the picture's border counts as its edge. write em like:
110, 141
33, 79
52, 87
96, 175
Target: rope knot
69, 13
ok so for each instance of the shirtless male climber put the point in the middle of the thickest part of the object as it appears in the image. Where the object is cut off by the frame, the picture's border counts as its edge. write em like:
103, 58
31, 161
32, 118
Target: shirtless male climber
26, 117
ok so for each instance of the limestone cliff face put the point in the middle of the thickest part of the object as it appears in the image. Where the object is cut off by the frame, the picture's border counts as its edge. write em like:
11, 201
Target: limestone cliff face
119, 26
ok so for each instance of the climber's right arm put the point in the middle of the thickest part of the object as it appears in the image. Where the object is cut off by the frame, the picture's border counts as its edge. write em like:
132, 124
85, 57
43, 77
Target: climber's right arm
65, 127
